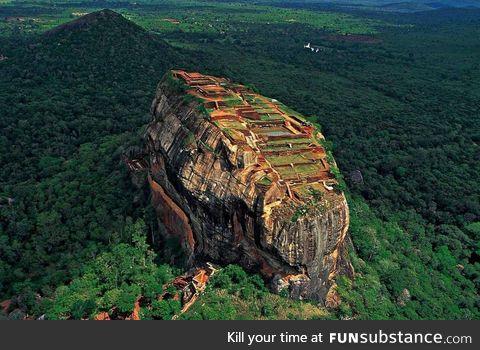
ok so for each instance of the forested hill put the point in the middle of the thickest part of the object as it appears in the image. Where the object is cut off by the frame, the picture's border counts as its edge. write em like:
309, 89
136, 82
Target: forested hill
74, 84
104, 19
71, 100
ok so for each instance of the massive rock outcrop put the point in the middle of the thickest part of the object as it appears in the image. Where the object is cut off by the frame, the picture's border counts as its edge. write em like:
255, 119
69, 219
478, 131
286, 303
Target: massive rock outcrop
241, 178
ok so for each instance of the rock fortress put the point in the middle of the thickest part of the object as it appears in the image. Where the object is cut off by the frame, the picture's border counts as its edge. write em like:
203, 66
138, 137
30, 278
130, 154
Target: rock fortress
238, 177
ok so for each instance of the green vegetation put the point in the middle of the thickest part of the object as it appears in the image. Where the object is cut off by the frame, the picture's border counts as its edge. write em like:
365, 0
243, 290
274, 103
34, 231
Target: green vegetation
176, 84
312, 205
204, 17
290, 111
190, 138
286, 159
292, 141
67, 117
307, 169
52, 227
233, 102
403, 111
265, 181
233, 294
283, 147
116, 278
190, 99
192, 16
386, 268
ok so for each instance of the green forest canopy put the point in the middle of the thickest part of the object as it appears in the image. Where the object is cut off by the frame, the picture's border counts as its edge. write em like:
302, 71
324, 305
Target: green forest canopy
402, 110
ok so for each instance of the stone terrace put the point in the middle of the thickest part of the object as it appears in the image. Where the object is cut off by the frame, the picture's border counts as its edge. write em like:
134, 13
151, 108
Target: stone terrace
275, 140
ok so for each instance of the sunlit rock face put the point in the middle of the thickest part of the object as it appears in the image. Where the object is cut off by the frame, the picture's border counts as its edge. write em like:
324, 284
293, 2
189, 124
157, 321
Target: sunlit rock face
241, 178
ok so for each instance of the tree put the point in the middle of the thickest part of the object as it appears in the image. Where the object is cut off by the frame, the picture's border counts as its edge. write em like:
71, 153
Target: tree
115, 280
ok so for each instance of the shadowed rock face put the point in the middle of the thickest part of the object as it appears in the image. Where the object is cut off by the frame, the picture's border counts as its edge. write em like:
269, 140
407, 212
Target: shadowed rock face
222, 209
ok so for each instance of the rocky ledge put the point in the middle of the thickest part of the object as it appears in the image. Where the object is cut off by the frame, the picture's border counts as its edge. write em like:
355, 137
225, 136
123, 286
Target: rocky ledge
241, 178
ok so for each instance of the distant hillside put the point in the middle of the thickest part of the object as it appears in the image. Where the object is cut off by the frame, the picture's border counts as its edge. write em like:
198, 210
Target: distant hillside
96, 20
407, 7
387, 5
414, 6
432, 3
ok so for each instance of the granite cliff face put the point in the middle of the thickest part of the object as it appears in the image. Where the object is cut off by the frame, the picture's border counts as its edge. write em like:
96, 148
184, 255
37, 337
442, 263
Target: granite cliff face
241, 178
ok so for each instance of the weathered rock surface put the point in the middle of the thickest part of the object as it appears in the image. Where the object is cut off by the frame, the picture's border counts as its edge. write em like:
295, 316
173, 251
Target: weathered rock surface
205, 193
